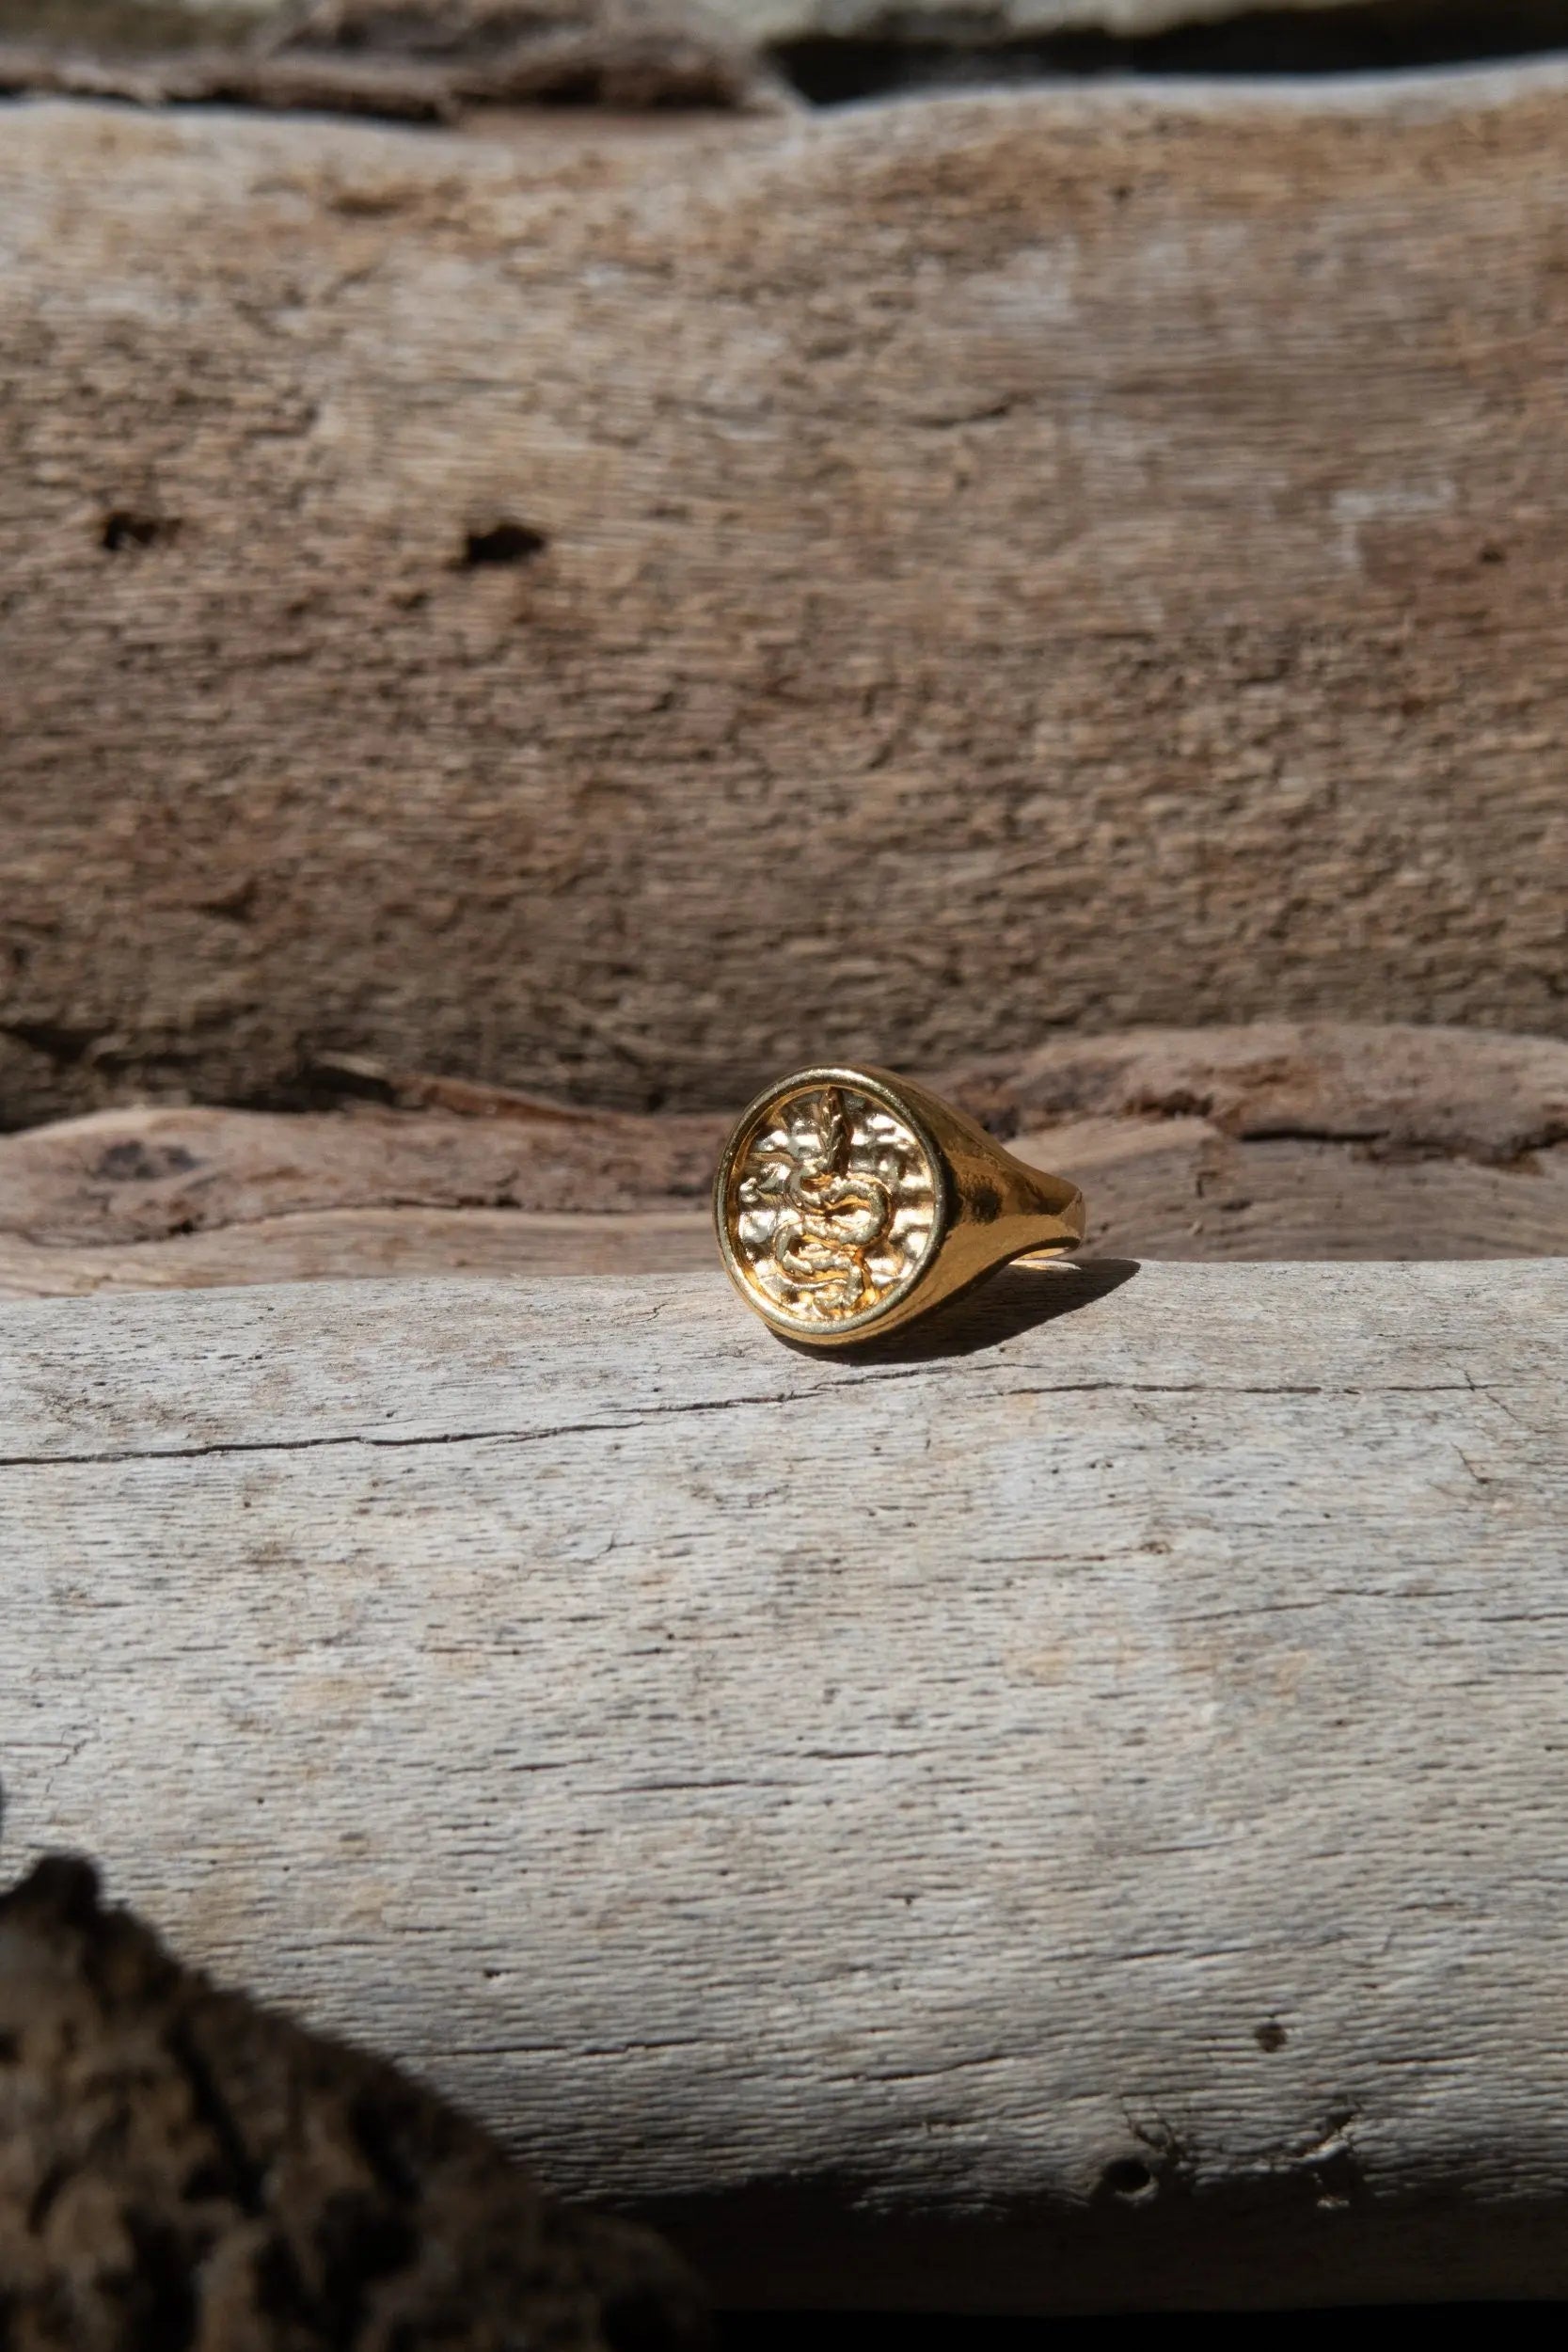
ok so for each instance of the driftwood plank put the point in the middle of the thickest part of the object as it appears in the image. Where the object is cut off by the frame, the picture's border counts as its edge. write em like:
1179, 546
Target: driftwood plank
1068, 1813
612, 614
436, 56
429, 61
1171, 1186
1280, 1140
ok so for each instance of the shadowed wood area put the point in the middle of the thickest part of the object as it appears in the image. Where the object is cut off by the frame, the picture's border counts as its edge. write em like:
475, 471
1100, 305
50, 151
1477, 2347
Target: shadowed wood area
181, 2169
597, 612
434, 57
1280, 1140
1063, 1812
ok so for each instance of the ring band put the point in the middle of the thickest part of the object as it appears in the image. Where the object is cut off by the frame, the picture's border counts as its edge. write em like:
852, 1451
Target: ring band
848, 1201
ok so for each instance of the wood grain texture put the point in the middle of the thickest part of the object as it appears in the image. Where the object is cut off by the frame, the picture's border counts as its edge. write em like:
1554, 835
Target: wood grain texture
341, 1245
1066, 1813
597, 613
421, 60
1279, 1140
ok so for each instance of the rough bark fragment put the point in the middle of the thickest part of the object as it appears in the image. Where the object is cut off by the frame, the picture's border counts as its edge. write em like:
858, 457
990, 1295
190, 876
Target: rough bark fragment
181, 2167
1066, 561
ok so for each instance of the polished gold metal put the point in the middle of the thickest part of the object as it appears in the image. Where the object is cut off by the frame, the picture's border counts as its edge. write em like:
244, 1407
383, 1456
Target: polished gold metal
848, 1201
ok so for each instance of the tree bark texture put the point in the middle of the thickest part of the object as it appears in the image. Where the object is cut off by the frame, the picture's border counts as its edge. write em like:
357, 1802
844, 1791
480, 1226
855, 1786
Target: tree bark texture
1063, 1812
621, 613
181, 2169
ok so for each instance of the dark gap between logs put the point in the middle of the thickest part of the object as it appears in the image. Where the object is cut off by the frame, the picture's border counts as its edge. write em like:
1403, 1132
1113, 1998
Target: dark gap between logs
1374, 36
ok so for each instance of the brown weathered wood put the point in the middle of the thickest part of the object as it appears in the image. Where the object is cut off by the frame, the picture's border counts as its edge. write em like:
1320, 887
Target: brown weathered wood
1276, 1141
149, 27
425, 60
613, 617
444, 27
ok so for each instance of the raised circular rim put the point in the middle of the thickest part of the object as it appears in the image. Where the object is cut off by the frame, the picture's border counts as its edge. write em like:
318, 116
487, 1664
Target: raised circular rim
878, 1090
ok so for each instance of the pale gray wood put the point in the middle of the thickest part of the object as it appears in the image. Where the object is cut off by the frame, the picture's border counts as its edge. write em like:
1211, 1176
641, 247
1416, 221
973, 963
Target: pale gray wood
862, 1811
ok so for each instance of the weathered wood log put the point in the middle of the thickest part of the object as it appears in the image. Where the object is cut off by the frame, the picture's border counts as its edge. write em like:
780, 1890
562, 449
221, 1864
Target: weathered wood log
1065, 1812
424, 60
182, 2169
1275, 1141
604, 613
144, 27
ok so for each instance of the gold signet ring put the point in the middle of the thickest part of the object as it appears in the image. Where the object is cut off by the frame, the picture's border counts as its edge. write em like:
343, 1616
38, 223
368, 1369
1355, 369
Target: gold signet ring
848, 1201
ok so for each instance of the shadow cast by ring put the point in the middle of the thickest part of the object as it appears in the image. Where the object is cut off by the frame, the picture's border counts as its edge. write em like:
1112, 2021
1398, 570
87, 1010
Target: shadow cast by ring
998, 1307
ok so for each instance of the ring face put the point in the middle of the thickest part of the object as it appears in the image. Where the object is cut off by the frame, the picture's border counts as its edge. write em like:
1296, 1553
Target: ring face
830, 1203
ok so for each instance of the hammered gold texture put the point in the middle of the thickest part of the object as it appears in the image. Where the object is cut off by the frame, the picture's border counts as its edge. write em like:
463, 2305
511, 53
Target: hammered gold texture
831, 1207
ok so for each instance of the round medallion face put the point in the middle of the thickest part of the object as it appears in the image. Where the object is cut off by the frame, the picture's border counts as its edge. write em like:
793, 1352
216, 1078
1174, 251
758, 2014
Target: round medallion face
830, 1203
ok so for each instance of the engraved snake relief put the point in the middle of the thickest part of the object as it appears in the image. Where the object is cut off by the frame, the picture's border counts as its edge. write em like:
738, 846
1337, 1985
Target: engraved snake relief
832, 1213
